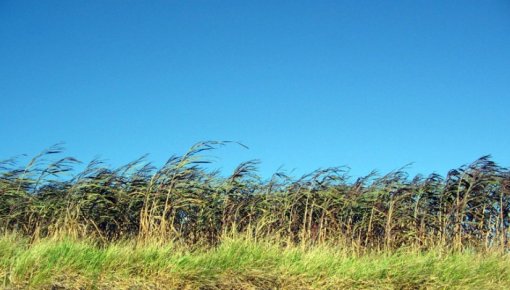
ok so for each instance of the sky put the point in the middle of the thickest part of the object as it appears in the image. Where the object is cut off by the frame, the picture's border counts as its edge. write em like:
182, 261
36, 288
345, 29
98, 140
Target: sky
303, 84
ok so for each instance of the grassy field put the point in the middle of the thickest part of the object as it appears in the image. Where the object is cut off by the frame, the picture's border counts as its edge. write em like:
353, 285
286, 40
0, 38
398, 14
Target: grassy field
184, 225
240, 263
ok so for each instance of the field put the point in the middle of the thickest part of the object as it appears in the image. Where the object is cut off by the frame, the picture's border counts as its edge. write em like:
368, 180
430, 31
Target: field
184, 226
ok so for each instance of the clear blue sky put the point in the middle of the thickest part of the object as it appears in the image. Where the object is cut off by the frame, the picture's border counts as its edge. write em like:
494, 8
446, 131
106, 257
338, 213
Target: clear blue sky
304, 84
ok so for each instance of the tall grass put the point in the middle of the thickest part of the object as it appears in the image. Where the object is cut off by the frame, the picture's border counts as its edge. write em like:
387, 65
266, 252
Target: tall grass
184, 202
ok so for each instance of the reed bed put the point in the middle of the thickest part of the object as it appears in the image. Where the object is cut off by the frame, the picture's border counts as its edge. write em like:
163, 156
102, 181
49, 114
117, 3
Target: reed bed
185, 202
69, 225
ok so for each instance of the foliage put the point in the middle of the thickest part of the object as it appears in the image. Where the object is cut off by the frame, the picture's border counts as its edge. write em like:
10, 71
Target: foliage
182, 201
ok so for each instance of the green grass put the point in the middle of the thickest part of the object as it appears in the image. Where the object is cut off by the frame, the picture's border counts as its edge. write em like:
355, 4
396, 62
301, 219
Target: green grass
239, 263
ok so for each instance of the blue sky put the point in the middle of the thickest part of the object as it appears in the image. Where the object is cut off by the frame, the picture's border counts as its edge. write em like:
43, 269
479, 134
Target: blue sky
304, 84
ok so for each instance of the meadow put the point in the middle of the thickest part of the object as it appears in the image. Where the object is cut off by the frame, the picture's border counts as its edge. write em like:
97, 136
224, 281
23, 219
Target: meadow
184, 226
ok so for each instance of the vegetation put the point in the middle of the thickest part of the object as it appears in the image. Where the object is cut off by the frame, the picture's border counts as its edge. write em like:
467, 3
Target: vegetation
187, 226
240, 263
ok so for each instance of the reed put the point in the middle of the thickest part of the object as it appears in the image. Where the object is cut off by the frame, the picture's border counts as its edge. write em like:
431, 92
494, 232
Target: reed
183, 201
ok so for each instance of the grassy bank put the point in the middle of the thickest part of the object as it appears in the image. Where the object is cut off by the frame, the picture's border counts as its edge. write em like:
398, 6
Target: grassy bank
145, 227
239, 264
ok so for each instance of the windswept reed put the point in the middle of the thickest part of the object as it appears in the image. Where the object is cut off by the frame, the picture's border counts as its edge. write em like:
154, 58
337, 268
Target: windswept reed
184, 201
